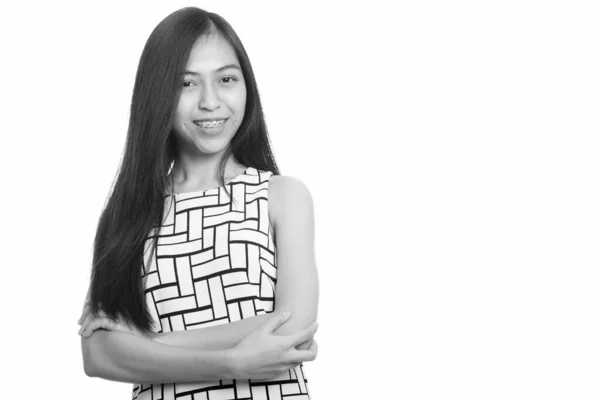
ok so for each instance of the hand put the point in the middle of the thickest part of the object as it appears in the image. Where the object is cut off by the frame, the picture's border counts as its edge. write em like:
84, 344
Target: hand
89, 323
86, 310
262, 355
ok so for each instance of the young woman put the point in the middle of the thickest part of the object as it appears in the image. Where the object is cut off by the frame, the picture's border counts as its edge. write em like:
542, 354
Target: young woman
202, 243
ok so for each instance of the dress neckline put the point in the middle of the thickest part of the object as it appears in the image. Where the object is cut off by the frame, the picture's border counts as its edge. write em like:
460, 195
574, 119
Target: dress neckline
235, 179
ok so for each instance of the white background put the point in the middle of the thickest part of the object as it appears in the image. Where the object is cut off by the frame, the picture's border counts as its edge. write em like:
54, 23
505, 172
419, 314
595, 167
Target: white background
451, 148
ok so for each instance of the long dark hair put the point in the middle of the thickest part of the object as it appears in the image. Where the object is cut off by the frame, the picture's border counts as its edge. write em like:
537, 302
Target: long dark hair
136, 202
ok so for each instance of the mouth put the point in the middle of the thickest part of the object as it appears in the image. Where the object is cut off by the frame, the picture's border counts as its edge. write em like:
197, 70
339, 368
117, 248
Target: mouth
210, 123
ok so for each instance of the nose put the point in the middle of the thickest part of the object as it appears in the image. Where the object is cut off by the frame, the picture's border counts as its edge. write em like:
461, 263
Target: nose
209, 99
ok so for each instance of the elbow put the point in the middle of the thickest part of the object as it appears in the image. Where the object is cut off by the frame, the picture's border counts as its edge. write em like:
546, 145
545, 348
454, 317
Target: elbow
103, 356
93, 349
88, 357
89, 371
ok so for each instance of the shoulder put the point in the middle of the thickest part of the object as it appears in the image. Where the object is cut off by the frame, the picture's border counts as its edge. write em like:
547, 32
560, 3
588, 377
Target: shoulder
288, 187
286, 194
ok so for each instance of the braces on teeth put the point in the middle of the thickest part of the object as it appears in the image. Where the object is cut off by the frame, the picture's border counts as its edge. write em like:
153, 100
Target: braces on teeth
211, 124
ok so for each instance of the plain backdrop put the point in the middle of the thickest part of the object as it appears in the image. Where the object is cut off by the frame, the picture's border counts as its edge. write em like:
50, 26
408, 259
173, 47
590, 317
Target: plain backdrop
451, 149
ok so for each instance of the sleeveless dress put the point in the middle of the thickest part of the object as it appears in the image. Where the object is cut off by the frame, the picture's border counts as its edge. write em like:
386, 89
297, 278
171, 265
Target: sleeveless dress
215, 263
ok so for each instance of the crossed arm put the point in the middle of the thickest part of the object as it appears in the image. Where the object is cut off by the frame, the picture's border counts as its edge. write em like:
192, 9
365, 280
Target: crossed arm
208, 353
122, 357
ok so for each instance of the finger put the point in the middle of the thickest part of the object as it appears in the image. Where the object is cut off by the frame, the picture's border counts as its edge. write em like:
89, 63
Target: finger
276, 321
97, 324
292, 366
314, 348
91, 326
304, 335
300, 356
84, 313
88, 318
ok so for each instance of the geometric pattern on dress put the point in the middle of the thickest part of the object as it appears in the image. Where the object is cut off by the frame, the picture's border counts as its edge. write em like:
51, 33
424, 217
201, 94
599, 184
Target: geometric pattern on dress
215, 263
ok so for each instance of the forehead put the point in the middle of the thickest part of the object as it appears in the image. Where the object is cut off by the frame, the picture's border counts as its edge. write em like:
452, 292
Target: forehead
209, 53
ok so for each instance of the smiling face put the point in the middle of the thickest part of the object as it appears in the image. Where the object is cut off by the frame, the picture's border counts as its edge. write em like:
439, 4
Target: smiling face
211, 105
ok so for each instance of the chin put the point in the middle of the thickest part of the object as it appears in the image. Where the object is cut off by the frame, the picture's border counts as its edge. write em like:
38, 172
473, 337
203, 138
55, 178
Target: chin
212, 149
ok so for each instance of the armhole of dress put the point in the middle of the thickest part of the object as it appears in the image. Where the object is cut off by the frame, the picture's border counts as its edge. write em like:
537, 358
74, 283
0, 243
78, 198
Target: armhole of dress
271, 232
271, 235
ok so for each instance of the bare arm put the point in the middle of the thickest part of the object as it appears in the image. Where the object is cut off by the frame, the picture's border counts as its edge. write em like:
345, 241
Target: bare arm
220, 337
126, 357
122, 357
297, 289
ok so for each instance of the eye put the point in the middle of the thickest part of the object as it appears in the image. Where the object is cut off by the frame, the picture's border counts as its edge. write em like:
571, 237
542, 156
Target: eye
187, 83
229, 79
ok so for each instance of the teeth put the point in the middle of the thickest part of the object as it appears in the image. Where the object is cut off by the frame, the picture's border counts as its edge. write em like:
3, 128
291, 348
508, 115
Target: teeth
210, 124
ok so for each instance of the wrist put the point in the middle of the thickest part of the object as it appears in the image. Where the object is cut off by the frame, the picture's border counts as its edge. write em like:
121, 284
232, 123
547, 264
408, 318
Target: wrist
233, 364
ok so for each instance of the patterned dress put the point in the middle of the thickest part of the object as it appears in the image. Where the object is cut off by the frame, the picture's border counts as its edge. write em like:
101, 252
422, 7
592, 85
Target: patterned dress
215, 263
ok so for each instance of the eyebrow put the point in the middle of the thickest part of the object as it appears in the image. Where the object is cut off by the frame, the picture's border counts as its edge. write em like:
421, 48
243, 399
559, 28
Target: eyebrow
224, 67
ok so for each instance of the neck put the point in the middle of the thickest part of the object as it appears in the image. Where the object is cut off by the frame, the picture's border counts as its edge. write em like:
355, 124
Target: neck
202, 172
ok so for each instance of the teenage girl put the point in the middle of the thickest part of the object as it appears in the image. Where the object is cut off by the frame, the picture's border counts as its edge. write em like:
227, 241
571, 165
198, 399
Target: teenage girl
202, 245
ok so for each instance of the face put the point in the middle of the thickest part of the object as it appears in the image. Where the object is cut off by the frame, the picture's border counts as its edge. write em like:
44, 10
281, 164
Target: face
211, 105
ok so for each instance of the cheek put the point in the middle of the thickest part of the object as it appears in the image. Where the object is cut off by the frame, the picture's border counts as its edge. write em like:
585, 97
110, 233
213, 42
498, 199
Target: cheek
182, 110
240, 103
